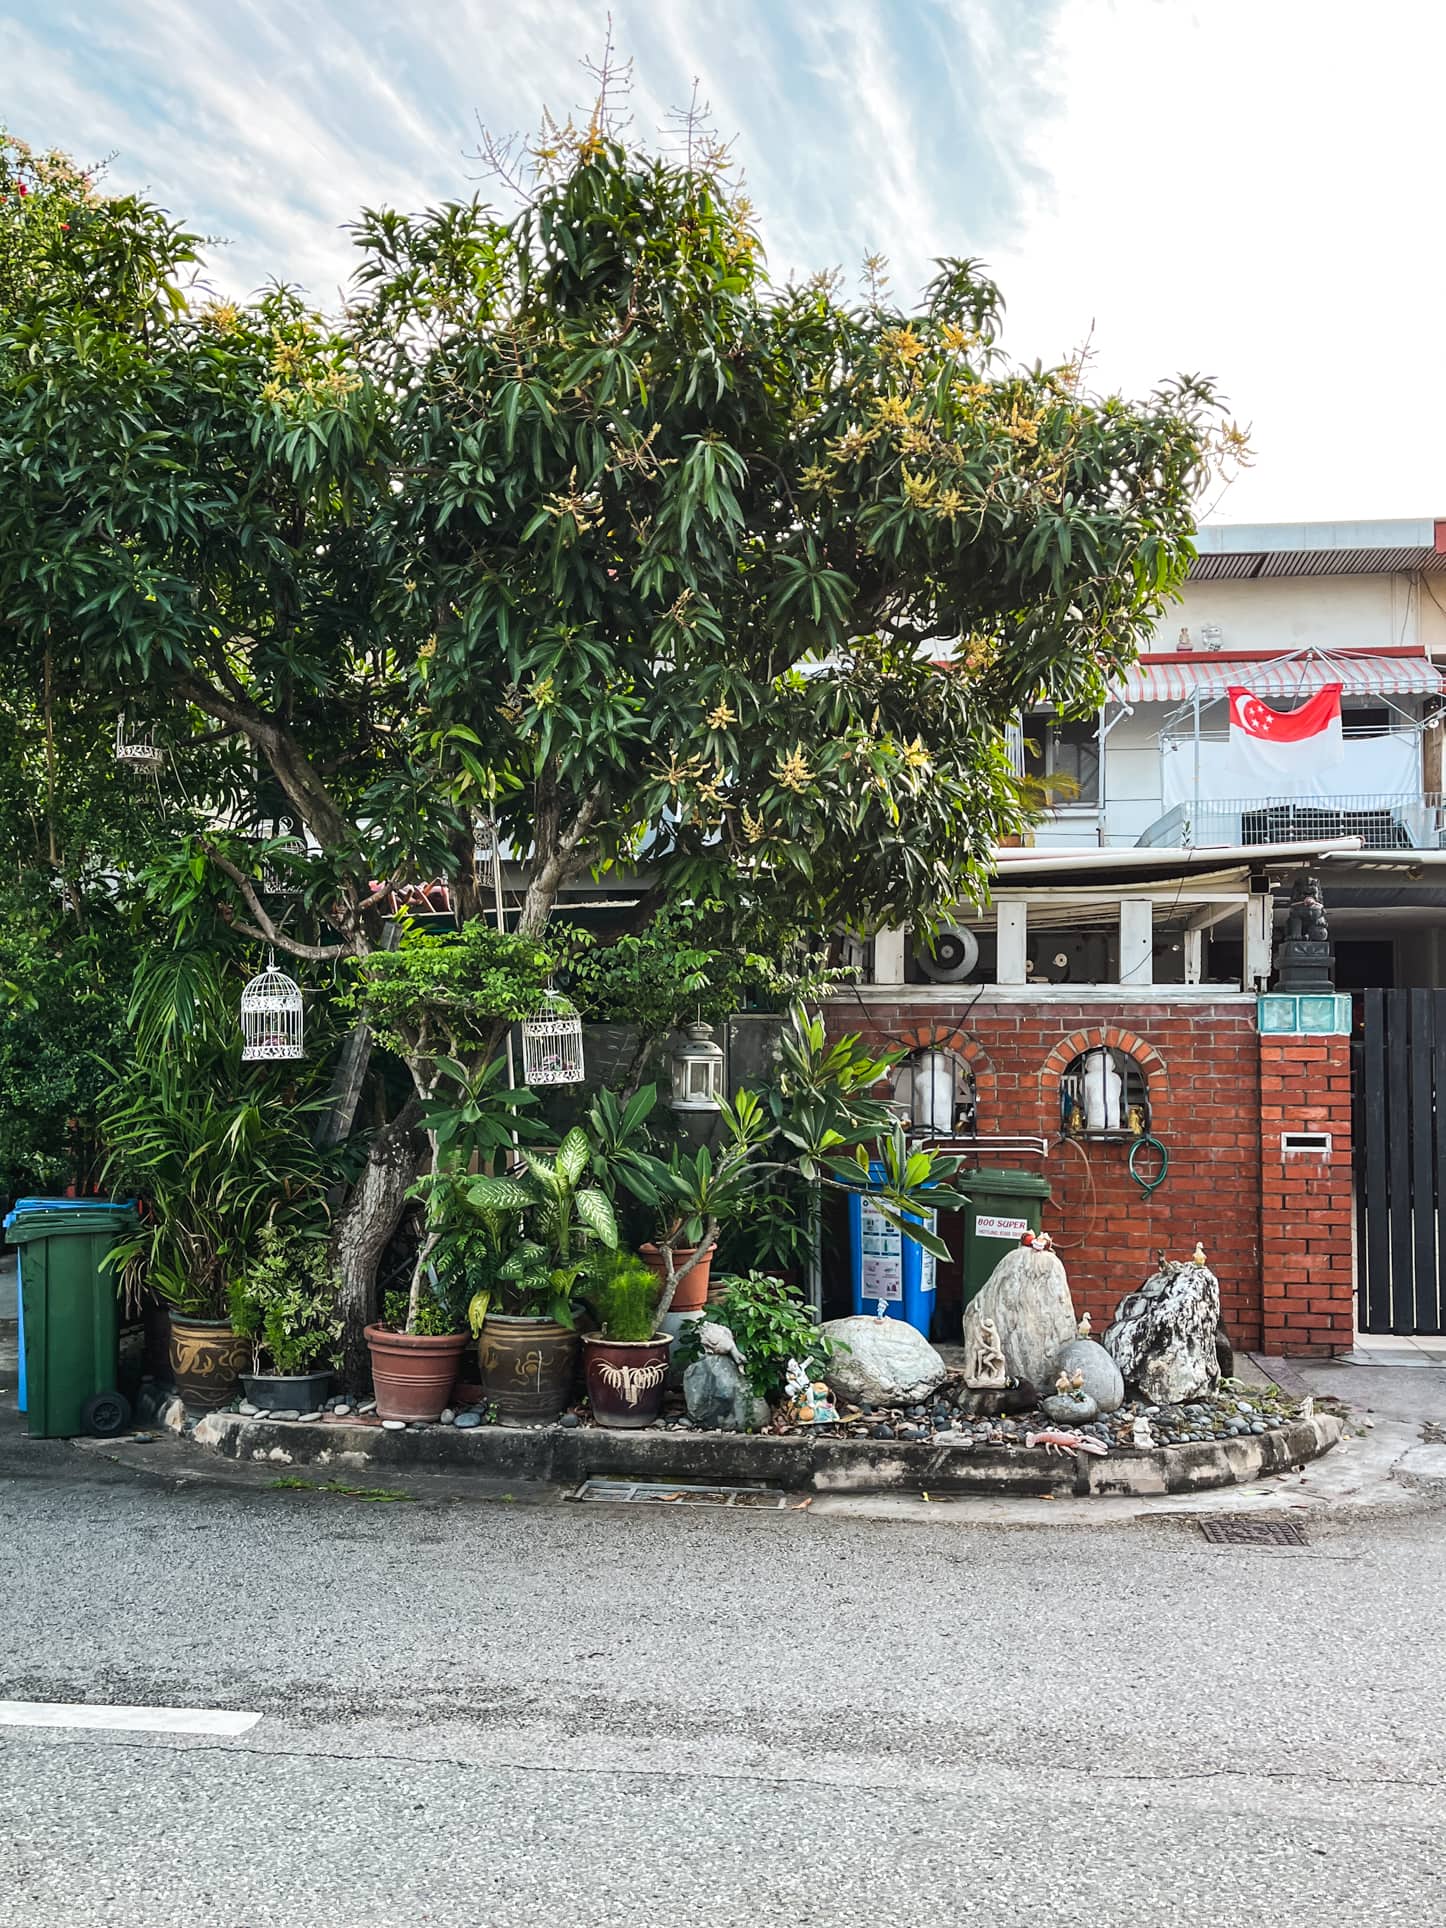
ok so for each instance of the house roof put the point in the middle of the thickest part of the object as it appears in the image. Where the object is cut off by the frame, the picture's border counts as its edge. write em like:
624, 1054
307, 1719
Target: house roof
1173, 678
1245, 550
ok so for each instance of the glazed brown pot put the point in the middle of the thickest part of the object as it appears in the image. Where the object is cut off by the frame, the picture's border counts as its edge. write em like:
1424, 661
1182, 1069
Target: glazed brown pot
529, 1367
205, 1357
413, 1373
625, 1379
693, 1274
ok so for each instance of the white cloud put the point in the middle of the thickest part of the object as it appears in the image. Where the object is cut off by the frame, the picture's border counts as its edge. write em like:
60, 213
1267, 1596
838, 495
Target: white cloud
1241, 187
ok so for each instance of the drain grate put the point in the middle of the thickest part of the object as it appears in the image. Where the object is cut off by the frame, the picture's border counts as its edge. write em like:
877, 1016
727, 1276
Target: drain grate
1235, 1529
649, 1493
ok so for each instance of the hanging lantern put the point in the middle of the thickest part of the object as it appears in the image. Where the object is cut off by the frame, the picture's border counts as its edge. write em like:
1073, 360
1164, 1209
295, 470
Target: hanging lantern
138, 750
697, 1069
552, 1043
271, 1016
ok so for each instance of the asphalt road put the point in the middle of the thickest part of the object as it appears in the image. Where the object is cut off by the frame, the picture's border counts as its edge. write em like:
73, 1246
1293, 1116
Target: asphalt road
525, 1714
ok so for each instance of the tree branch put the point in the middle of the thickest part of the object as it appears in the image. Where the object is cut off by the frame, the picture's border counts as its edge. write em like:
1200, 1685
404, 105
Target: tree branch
557, 862
264, 930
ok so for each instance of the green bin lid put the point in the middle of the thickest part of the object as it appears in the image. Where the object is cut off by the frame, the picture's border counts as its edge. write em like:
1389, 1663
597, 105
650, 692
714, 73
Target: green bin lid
995, 1181
33, 1225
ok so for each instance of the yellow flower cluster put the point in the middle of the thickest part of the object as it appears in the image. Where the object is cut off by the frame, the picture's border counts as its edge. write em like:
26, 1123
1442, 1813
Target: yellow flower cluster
721, 715
791, 772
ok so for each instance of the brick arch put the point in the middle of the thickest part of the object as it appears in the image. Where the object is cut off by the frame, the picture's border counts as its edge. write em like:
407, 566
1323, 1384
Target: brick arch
938, 1034
1090, 1038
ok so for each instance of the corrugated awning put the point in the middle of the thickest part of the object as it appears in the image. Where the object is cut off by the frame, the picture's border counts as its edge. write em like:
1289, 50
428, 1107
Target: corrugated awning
1281, 676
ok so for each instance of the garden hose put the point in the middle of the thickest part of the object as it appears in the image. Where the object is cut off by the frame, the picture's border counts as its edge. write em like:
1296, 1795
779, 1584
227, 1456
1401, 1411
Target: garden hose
1149, 1185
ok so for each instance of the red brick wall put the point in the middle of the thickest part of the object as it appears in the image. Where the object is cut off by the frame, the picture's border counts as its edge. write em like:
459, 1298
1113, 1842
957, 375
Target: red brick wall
1204, 1066
1306, 1211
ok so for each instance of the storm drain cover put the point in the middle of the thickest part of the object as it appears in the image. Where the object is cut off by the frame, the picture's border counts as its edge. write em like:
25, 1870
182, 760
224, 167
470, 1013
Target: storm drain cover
658, 1494
1234, 1529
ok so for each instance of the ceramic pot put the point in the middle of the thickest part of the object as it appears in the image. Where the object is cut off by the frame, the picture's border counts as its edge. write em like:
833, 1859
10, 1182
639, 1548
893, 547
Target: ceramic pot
693, 1274
413, 1373
206, 1357
529, 1367
279, 1392
625, 1379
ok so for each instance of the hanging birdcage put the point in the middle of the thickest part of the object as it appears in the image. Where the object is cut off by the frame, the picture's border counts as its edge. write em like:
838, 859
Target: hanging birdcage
552, 1043
276, 880
271, 1016
137, 749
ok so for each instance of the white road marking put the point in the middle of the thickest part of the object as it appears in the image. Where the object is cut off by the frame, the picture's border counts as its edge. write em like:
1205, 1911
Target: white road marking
134, 1720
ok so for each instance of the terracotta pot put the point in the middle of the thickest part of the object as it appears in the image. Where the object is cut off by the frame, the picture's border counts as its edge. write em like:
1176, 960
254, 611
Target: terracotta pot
693, 1274
413, 1373
625, 1379
529, 1367
206, 1357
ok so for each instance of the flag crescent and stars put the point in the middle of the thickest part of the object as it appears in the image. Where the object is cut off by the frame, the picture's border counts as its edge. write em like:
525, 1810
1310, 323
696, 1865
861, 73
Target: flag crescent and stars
1256, 718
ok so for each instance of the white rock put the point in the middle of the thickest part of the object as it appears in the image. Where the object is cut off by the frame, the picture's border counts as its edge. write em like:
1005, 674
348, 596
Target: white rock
1103, 1381
173, 1415
1026, 1299
394, 1425
247, 1408
367, 1406
447, 1416
888, 1363
315, 1415
210, 1429
1163, 1336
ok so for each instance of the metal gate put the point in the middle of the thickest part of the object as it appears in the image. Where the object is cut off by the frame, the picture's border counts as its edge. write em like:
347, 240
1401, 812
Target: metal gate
1399, 1088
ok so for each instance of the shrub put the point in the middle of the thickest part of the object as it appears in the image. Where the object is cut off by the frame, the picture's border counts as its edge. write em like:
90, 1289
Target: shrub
771, 1324
624, 1295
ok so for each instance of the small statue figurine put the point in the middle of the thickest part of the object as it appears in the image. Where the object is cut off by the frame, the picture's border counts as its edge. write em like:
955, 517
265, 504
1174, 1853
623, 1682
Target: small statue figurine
1305, 918
987, 1371
809, 1400
1142, 1436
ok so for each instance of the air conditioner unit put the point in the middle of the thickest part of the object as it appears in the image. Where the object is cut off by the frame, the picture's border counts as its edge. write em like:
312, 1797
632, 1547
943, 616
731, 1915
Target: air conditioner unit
950, 956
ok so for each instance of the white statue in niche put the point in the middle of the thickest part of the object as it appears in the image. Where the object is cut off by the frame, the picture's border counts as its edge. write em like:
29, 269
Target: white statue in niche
1103, 1092
987, 1371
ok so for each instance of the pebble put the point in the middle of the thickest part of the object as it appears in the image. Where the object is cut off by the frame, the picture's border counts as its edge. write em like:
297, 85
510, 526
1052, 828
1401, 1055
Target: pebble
464, 1420
315, 1415
1244, 1406
448, 1415
864, 1406
1258, 1426
395, 1425
883, 1432
367, 1406
911, 1432
286, 1412
341, 1406
571, 1419
247, 1408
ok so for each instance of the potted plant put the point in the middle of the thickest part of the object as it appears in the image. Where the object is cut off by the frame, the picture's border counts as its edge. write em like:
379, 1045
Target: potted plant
284, 1303
546, 1229
626, 1360
216, 1149
416, 1348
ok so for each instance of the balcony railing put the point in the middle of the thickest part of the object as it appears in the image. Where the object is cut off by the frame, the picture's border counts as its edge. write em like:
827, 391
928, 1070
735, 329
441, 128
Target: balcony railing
1381, 822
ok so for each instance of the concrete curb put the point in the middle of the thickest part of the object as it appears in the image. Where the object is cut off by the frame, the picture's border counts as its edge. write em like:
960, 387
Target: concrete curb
566, 1456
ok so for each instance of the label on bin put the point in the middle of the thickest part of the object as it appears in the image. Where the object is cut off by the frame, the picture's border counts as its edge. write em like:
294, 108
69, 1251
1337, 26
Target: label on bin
987, 1227
882, 1256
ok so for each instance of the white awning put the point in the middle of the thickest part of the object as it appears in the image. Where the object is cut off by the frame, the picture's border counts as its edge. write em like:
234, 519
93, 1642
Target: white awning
1386, 673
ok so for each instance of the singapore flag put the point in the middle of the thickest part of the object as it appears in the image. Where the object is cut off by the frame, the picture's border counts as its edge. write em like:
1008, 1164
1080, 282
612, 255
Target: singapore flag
1284, 750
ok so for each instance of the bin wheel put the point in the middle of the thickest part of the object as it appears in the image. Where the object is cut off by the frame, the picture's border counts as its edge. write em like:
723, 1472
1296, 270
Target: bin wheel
105, 1415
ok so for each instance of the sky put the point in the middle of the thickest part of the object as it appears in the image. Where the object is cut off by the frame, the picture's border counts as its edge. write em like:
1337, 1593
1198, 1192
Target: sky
1236, 187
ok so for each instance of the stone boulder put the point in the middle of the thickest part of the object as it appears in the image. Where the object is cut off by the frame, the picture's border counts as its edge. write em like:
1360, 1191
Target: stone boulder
720, 1398
1069, 1408
1103, 1381
888, 1363
1163, 1336
1026, 1299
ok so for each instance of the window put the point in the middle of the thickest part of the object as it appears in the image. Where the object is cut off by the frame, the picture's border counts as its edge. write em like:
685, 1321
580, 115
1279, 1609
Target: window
1067, 755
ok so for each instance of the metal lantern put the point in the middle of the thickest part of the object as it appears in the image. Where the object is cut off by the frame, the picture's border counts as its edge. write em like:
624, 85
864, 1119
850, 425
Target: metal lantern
139, 750
697, 1069
552, 1043
271, 1016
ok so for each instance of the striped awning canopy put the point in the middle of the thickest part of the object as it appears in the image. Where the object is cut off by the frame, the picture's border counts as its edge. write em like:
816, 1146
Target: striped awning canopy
1177, 680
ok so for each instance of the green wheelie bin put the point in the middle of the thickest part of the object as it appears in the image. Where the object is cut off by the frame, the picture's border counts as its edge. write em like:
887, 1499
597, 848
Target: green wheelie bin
71, 1318
1003, 1206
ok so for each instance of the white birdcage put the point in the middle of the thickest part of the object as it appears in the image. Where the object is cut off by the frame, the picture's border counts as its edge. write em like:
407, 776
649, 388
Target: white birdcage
271, 1015
276, 879
552, 1043
138, 749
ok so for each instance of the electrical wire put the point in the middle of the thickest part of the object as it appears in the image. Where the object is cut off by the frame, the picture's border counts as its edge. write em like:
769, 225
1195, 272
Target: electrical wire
1073, 1244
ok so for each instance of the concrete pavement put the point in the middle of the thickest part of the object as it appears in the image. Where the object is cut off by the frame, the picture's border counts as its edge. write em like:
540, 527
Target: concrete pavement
519, 1711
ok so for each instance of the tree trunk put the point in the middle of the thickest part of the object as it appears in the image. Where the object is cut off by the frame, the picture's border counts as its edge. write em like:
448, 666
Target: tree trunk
365, 1229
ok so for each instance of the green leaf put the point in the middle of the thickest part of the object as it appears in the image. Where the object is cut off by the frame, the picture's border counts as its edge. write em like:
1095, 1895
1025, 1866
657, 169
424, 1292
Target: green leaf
500, 1194
595, 1210
573, 1155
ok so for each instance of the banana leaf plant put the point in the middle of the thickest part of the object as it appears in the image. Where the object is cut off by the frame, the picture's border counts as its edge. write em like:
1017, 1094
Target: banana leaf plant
563, 1224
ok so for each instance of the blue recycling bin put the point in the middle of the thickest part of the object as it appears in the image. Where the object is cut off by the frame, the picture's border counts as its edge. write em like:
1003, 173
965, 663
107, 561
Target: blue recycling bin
891, 1273
46, 1205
